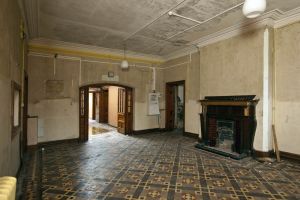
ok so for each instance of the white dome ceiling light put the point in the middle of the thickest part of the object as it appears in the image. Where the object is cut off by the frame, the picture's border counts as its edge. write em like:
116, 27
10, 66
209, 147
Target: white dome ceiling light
124, 63
254, 8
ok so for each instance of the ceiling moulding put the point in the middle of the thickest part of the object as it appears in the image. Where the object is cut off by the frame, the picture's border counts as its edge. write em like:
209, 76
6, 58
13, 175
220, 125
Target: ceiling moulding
42, 45
275, 18
289, 18
21, 5
32, 16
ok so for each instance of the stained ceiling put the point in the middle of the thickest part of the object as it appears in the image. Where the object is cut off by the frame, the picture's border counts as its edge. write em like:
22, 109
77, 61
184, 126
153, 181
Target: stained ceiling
144, 25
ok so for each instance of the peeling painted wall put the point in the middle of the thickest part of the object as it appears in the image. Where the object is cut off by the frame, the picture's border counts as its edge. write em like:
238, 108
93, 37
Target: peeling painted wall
185, 68
58, 117
9, 70
230, 67
287, 103
235, 67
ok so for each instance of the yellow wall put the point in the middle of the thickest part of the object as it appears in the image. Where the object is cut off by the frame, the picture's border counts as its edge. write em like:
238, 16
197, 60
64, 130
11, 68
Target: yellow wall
113, 106
58, 117
229, 67
287, 104
10, 69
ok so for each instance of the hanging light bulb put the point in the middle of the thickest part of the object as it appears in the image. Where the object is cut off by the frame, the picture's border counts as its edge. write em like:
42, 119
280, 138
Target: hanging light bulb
124, 63
254, 8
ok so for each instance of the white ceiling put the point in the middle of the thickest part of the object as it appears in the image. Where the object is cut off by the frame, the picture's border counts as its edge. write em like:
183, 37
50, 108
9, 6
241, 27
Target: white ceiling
107, 23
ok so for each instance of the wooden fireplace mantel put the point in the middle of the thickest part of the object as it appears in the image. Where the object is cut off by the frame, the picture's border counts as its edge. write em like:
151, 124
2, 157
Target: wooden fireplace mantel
228, 103
241, 110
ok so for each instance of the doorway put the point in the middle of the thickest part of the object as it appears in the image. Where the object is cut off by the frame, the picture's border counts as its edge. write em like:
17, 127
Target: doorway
23, 138
175, 106
105, 108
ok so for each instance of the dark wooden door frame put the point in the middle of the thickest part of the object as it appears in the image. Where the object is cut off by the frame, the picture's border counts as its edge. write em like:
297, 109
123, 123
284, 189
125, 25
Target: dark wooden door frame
94, 105
83, 114
172, 84
103, 104
83, 131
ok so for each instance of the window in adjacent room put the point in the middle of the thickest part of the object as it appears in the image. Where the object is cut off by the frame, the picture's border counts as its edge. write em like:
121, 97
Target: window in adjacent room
16, 109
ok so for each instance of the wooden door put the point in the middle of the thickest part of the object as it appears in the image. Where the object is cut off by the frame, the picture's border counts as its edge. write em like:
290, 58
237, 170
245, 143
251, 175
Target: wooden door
94, 96
83, 114
121, 110
103, 106
129, 111
25, 116
170, 106
125, 110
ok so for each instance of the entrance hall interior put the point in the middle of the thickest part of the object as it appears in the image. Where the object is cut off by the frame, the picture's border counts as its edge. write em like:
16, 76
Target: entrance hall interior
145, 100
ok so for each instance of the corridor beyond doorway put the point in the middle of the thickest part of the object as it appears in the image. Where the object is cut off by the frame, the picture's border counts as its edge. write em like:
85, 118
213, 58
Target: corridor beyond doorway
175, 106
103, 109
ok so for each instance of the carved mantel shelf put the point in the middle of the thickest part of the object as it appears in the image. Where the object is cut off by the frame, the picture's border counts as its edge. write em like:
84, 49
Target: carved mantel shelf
228, 103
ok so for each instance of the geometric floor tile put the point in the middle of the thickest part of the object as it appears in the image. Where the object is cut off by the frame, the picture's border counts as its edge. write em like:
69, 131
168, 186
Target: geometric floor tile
150, 166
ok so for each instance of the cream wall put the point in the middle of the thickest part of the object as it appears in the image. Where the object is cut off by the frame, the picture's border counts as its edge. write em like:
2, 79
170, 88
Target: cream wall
58, 117
229, 67
185, 68
91, 102
235, 67
287, 104
10, 69
113, 106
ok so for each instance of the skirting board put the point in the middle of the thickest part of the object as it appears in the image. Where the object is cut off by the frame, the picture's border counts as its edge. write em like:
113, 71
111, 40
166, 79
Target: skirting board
292, 156
191, 135
145, 131
260, 154
42, 144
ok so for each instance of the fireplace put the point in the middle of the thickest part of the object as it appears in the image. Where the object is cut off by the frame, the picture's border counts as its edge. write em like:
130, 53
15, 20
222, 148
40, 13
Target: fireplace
225, 135
228, 125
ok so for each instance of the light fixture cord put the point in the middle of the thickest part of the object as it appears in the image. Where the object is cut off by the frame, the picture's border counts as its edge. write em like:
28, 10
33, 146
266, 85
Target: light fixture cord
124, 51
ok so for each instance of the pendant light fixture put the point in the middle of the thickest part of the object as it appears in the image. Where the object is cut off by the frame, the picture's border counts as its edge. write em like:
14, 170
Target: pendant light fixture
254, 8
124, 63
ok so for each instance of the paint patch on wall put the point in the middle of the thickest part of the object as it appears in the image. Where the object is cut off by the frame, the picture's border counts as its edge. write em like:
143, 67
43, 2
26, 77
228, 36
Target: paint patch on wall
54, 89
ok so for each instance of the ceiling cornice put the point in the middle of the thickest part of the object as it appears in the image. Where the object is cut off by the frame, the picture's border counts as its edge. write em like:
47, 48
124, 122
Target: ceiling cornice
275, 18
43, 45
31, 8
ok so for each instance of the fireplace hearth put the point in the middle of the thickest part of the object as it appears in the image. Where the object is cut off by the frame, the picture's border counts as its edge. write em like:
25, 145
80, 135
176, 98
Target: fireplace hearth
228, 125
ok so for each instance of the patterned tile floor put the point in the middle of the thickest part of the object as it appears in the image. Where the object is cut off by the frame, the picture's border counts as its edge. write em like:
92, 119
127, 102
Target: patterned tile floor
95, 124
151, 166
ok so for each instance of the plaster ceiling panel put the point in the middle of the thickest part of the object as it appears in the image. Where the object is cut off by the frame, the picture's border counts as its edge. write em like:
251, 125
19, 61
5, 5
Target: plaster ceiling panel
229, 19
140, 44
68, 31
163, 48
130, 15
127, 15
106, 23
222, 22
165, 27
204, 9
283, 5
75, 10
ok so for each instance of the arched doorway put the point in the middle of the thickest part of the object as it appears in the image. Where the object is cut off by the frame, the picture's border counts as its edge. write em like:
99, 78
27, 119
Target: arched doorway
124, 109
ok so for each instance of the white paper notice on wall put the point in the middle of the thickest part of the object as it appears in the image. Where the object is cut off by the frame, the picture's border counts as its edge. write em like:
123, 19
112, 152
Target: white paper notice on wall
153, 104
